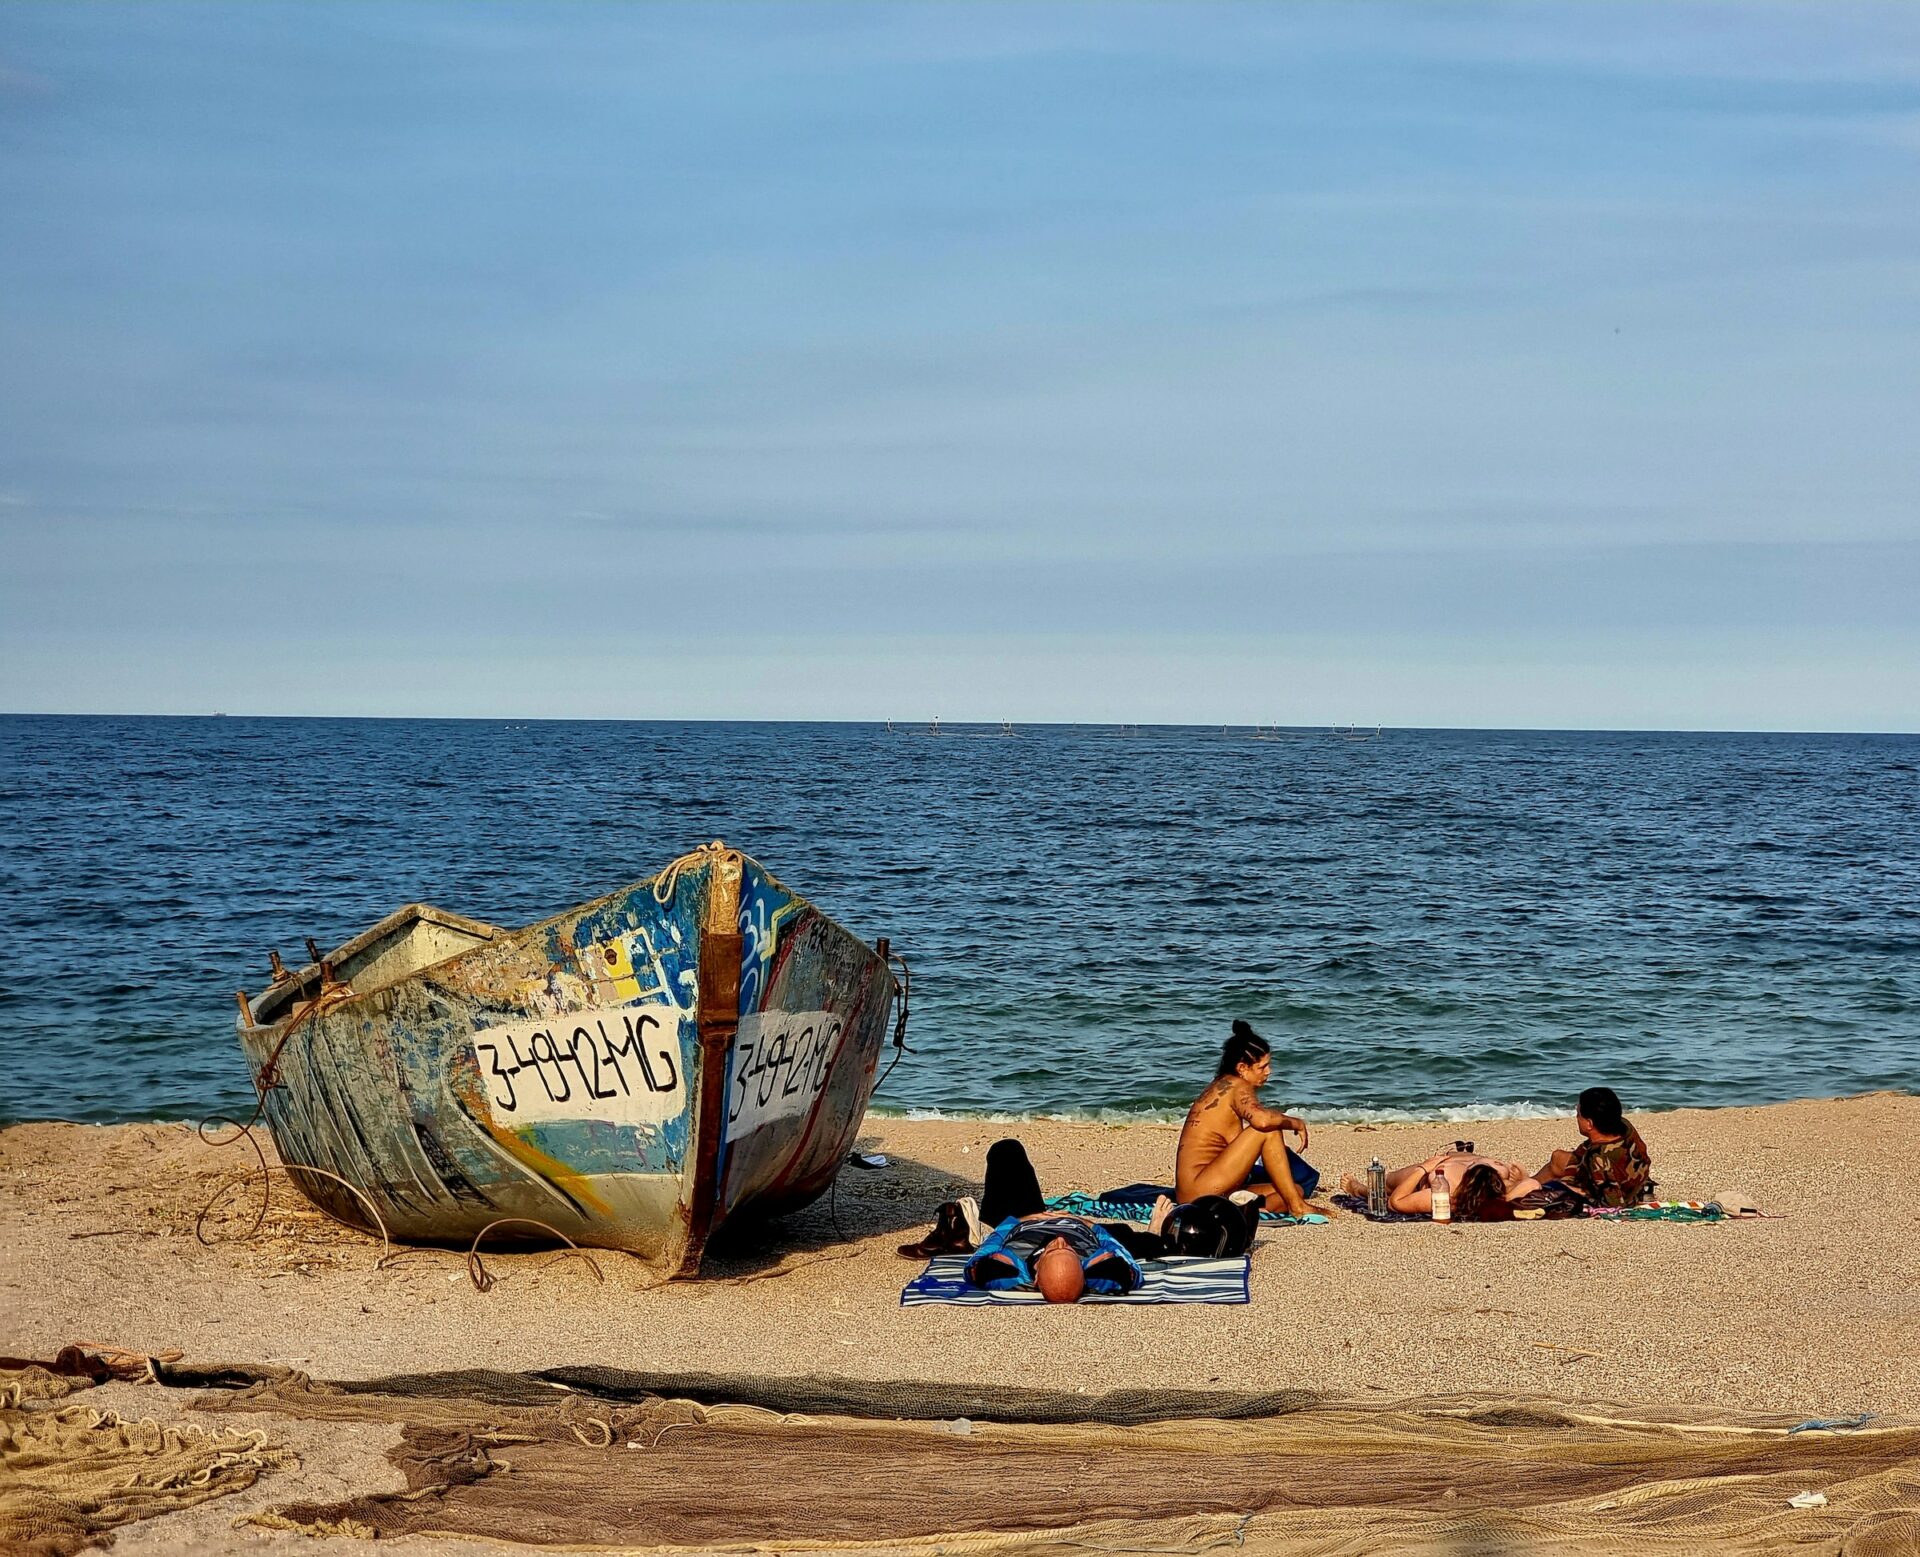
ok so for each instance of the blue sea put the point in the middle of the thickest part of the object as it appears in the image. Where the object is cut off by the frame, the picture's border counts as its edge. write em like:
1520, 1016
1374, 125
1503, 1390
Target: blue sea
1429, 924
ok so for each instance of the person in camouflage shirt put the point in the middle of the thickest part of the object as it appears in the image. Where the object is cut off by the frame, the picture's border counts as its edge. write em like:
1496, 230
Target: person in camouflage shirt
1610, 1166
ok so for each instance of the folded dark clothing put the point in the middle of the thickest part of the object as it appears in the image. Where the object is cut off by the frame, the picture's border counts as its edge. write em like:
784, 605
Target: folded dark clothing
1012, 1188
1304, 1174
1138, 1242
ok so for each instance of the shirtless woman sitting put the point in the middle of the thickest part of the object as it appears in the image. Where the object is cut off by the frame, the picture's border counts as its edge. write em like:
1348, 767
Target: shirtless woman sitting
1228, 1132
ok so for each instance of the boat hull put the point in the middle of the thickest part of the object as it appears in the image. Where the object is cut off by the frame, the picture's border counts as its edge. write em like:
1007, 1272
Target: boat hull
690, 1050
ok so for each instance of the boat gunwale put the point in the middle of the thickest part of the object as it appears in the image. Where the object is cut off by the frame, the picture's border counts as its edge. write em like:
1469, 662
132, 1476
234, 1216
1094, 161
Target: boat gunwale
297, 983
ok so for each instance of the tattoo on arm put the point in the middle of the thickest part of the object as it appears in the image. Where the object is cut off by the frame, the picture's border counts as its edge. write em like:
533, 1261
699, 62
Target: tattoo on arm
1251, 1113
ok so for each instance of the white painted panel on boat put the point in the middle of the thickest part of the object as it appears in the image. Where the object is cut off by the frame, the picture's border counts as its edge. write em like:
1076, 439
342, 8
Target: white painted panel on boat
781, 1060
620, 1064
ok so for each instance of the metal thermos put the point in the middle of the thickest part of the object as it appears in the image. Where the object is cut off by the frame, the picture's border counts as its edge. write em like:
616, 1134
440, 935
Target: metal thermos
1377, 1188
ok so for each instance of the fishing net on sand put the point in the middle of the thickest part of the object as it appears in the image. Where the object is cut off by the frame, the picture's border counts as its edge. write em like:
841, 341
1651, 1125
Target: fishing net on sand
589, 1458
70, 1473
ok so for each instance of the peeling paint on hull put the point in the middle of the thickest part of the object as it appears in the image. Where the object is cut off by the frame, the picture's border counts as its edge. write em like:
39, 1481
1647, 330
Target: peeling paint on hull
635, 1072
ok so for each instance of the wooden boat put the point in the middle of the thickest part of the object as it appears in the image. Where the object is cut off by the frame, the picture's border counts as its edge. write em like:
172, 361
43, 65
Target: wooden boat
634, 1073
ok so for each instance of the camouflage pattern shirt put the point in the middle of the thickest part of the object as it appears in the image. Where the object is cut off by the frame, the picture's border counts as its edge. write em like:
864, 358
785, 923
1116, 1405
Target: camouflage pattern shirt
1612, 1173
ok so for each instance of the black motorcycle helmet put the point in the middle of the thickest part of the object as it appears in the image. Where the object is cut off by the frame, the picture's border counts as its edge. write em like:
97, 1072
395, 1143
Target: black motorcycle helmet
1212, 1226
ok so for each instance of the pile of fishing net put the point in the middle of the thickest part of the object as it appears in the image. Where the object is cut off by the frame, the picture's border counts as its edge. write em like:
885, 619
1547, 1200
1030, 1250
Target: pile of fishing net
70, 1473
590, 1457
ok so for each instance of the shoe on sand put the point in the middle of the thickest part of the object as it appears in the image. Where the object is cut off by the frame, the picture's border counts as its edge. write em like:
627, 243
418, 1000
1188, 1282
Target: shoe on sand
949, 1235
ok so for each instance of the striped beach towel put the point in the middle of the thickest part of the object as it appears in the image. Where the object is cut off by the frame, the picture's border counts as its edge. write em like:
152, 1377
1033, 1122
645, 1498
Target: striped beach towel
1172, 1280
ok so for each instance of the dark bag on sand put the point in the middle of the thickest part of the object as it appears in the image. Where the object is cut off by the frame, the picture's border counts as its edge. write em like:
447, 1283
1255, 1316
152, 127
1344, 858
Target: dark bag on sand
1554, 1201
1212, 1226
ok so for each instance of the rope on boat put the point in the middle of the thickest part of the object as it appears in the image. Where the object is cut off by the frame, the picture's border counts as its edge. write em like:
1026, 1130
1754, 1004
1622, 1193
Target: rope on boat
900, 1049
484, 1280
668, 880
330, 994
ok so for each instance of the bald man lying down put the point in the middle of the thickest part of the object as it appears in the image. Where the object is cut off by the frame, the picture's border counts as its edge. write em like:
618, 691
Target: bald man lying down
1062, 1257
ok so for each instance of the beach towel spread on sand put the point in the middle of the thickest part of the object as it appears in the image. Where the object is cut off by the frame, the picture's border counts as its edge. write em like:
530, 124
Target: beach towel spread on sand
1357, 1204
1657, 1211
1679, 1211
1176, 1279
1108, 1209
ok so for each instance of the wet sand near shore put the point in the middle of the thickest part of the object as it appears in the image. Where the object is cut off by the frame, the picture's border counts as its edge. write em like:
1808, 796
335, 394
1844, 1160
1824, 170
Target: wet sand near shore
1817, 1314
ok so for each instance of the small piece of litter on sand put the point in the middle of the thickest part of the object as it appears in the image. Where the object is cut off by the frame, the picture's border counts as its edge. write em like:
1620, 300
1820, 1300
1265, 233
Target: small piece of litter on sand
1807, 1500
867, 1159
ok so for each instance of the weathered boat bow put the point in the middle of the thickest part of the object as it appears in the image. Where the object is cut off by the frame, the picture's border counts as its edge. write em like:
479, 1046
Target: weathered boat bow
718, 1027
695, 1048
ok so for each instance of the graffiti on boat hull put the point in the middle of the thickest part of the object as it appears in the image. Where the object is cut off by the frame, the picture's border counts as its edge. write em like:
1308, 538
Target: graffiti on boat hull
781, 1060
621, 1065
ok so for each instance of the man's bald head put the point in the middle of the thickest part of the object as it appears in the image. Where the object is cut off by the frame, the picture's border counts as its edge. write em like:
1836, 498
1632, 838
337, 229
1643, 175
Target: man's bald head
1058, 1274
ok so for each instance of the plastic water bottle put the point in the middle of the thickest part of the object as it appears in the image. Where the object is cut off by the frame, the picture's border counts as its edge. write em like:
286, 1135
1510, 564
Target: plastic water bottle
1377, 1187
1442, 1199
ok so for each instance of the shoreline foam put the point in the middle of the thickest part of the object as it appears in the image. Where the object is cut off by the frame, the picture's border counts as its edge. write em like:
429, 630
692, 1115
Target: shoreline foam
1338, 1114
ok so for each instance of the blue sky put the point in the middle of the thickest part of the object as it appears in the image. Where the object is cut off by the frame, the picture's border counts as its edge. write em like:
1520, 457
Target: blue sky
1540, 365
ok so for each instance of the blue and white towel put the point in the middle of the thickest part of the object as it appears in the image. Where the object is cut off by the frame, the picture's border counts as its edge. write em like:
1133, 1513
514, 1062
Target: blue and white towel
1079, 1203
1177, 1279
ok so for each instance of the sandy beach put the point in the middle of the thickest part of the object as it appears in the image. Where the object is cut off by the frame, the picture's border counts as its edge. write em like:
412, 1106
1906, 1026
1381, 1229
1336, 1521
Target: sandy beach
1816, 1314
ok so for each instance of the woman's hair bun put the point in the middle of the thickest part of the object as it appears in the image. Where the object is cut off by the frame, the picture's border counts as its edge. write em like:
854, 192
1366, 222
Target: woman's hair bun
1240, 1029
